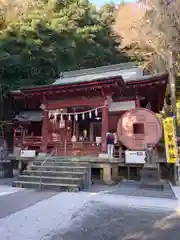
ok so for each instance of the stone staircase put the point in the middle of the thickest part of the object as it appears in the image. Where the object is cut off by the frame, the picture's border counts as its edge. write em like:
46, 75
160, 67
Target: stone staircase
57, 173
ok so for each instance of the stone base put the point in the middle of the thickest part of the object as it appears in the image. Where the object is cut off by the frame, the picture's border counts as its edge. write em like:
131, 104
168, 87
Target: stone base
151, 177
109, 182
103, 156
107, 177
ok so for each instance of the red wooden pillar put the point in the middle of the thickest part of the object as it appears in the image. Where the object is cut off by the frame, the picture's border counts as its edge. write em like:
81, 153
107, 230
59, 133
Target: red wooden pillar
68, 130
104, 128
137, 102
77, 130
44, 132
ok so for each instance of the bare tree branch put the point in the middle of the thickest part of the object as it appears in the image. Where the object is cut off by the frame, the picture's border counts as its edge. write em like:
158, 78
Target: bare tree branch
155, 28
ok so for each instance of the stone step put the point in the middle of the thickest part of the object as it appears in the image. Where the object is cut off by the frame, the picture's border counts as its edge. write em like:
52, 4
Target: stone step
61, 163
52, 173
59, 168
65, 159
52, 186
47, 179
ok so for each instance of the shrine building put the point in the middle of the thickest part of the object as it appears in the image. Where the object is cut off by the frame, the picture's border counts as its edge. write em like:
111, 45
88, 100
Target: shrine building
73, 115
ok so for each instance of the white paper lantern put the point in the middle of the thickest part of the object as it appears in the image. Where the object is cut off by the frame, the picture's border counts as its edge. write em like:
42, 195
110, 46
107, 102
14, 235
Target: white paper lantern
76, 117
96, 112
90, 114
55, 116
69, 117
62, 124
83, 116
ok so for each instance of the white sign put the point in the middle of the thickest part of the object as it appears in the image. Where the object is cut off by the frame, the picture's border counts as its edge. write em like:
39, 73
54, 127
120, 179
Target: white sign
135, 157
121, 106
98, 140
28, 153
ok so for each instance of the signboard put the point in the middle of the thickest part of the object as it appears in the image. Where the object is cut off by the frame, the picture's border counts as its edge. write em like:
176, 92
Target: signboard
135, 157
98, 140
170, 140
121, 106
28, 153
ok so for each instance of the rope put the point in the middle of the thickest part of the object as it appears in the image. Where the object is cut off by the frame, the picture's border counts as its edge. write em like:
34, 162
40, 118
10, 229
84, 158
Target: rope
77, 113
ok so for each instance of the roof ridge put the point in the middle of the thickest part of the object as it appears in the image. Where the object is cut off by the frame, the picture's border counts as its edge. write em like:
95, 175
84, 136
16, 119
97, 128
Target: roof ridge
98, 70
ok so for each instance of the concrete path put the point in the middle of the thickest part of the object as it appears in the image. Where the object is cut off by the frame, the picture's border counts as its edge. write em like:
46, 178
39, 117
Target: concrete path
37, 215
19, 199
6, 190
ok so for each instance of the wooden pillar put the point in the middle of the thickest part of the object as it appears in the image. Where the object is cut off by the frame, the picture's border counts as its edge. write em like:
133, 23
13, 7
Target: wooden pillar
137, 102
44, 132
101, 174
69, 130
104, 128
159, 103
91, 131
77, 130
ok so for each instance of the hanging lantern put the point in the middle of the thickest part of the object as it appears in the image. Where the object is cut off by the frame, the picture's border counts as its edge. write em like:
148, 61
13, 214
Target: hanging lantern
90, 114
69, 117
76, 117
55, 116
83, 116
49, 114
61, 117
96, 112
61, 124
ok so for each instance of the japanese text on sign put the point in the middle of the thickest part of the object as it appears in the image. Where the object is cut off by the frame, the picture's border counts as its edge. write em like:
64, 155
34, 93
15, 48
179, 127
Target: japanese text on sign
170, 140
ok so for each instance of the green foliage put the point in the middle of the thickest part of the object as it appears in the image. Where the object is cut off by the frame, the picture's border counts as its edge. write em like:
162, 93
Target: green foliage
54, 36
6, 104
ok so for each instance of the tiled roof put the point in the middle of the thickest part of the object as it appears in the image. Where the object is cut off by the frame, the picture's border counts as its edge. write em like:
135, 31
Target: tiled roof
28, 116
127, 71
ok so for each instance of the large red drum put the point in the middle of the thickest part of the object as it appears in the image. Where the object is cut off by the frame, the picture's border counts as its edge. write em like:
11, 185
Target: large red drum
139, 128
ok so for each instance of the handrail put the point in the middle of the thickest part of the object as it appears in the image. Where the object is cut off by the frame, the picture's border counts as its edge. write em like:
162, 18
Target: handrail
45, 160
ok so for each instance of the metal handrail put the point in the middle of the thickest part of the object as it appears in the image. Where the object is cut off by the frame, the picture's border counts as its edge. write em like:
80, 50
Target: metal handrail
45, 160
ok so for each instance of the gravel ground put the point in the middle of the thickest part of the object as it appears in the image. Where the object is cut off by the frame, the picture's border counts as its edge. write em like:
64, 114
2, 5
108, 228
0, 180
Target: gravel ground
132, 188
121, 212
98, 221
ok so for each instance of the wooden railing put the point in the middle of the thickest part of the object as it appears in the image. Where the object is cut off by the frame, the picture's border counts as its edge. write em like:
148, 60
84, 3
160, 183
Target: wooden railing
33, 139
65, 147
28, 138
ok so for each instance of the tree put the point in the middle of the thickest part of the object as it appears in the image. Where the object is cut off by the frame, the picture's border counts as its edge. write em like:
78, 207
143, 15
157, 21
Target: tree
6, 113
128, 26
155, 31
52, 36
152, 30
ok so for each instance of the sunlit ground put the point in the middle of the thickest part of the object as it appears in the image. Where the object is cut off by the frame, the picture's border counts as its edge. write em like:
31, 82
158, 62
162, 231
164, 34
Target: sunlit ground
99, 221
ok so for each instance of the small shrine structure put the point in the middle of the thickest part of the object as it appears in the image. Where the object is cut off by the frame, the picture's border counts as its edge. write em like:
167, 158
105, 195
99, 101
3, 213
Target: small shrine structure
73, 115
